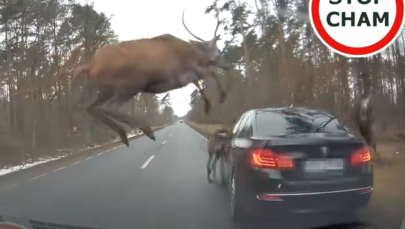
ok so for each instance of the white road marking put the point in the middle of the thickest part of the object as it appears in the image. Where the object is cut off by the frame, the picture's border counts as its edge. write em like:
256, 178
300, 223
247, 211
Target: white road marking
402, 224
88, 158
45, 174
105, 152
77, 162
164, 142
59, 169
147, 162
99, 154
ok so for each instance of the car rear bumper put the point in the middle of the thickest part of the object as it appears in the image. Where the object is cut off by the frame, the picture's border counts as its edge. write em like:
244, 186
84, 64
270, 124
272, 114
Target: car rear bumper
312, 202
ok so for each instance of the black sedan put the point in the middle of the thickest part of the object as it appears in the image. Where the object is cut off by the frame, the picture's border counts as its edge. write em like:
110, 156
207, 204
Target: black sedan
297, 160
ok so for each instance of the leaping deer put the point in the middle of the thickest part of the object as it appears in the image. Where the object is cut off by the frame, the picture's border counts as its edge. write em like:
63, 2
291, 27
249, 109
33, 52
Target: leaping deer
154, 65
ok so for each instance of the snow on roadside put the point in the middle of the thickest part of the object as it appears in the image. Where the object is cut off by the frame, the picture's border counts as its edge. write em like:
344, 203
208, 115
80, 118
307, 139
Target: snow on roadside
9, 169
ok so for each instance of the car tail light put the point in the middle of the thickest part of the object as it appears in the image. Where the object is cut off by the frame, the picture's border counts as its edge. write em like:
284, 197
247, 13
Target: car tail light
361, 156
365, 190
265, 158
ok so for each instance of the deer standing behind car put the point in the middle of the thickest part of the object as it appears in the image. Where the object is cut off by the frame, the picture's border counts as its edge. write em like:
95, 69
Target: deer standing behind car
364, 118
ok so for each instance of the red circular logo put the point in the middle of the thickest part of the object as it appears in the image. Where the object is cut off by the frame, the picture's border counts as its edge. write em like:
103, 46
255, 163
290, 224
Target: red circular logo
329, 32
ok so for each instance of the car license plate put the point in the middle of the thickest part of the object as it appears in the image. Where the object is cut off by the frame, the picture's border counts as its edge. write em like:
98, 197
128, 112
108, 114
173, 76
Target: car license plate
322, 165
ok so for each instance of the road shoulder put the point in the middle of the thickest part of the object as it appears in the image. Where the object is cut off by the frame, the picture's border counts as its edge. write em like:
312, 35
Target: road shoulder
11, 179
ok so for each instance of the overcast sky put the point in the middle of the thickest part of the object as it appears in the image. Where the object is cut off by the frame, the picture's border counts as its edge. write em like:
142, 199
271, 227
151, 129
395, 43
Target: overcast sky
136, 19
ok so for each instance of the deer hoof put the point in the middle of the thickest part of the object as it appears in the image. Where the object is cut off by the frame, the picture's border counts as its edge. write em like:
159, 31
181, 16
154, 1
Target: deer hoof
152, 136
124, 140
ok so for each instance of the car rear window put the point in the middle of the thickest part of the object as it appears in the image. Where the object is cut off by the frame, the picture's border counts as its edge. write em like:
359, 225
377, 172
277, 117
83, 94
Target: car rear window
271, 123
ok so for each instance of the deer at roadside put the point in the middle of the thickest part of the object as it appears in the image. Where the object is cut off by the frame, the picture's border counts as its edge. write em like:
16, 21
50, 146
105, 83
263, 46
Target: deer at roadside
365, 121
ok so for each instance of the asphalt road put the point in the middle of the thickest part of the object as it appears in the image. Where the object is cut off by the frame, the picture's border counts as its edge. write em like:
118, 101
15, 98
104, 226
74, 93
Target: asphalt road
154, 184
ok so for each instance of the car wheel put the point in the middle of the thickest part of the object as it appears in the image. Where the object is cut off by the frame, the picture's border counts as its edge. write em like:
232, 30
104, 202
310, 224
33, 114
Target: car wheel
237, 212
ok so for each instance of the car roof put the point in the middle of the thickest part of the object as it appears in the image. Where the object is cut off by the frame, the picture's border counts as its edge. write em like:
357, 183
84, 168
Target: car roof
289, 109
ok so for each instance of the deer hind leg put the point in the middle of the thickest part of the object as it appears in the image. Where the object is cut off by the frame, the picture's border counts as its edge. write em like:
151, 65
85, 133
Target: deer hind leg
118, 100
204, 96
94, 110
204, 73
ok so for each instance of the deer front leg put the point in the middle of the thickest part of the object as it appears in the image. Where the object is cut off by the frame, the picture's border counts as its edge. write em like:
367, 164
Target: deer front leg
219, 63
221, 89
204, 96
225, 67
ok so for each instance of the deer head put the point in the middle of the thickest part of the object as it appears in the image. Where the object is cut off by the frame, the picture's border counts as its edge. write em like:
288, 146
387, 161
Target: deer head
209, 48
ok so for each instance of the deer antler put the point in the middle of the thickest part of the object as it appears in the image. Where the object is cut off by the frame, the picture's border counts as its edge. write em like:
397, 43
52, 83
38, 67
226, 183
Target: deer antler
218, 22
184, 24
